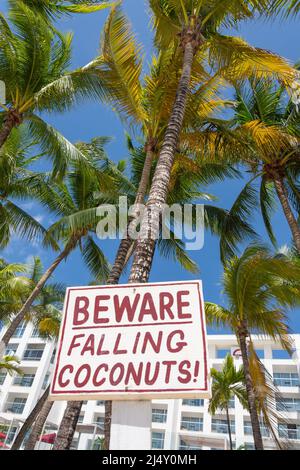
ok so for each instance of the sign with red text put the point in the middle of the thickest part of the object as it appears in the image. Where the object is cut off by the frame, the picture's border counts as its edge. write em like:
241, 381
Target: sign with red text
131, 342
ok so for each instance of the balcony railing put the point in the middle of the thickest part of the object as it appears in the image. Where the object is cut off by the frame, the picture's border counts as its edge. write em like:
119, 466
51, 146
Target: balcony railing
289, 433
13, 407
33, 354
25, 381
191, 425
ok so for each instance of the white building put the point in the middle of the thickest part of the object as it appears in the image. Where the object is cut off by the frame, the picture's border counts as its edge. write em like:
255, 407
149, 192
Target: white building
176, 424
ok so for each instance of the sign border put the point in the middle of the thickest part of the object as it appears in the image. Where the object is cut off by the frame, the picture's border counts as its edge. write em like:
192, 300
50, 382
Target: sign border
132, 394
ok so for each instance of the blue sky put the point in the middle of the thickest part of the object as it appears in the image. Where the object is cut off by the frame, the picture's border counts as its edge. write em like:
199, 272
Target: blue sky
94, 119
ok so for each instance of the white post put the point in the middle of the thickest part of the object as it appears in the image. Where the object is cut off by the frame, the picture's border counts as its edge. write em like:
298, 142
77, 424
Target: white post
131, 425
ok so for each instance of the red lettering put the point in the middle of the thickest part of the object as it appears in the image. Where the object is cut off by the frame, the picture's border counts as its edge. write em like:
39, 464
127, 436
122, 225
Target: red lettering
115, 380
101, 351
181, 304
89, 346
96, 382
85, 368
81, 309
117, 344
168, 365
98, 308
166, 301
148, 380
125, 305
133, 374
183, 370
148, 310
60, 381
179, 345
149, 339
74, 344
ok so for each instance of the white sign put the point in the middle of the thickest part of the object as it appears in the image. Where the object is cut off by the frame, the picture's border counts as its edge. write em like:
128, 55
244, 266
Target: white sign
129, 342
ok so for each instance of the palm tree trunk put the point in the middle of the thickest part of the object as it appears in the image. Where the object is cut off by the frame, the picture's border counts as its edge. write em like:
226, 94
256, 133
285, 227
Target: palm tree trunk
145, 245
126, 241
39, 425
283, 198
107, 424
68, 425
242, 334
11, 120
229, 428
34, 294
30, 420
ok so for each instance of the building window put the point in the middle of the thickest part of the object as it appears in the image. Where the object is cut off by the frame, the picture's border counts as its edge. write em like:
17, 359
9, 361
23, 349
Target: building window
11, 350
220, 425
159, 415
80, 419
248, 429
19, 331
289, 431
33, 354
286, 379
288, 404
190, 423
35, 333
100, 403
3, 376
158, 440
16, 406
24, 381
195, 402
185, 445
10, 431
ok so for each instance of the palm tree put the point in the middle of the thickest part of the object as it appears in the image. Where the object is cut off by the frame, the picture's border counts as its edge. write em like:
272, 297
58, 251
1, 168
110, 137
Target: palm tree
10, 364
74, 203
227, 384
188, 184
14, 282
34, 60
285, 7
139, 104
192, 27
18, 185
257, 286
267, 122
55, 8
16, 288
